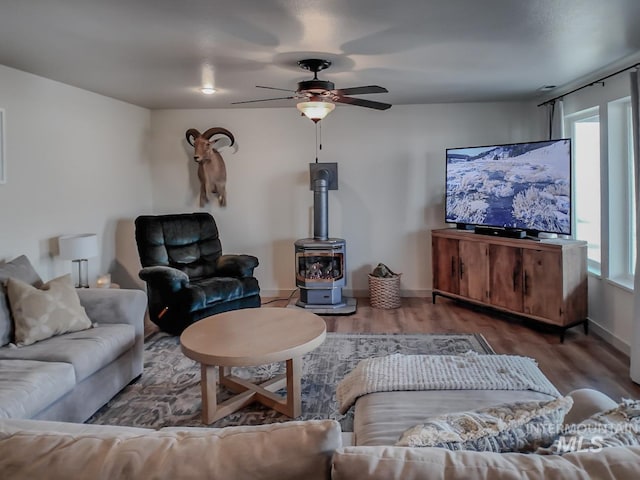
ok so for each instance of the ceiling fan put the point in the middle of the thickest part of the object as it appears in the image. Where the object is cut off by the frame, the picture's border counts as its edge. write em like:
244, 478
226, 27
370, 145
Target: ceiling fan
319, 96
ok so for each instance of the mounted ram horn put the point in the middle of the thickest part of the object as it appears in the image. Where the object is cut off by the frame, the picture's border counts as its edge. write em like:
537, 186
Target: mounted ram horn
212, 172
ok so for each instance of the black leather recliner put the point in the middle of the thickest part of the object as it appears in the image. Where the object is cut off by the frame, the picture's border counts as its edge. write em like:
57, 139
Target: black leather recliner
187, 276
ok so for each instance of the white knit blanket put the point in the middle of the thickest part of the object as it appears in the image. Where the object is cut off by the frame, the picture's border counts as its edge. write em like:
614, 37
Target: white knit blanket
441, 372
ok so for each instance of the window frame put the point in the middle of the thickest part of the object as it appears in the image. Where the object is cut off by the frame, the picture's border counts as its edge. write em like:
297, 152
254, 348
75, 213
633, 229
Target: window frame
594, 267
621, 193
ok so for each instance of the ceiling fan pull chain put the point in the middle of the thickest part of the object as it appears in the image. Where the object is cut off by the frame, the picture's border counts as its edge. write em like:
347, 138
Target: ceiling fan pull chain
316, 143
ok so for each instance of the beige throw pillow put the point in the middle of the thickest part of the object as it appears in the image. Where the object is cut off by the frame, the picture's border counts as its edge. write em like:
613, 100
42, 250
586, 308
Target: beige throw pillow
42, 313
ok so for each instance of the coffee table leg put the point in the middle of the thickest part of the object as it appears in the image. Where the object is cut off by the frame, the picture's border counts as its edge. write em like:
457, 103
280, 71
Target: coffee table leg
294, 375
209, 400
212, 411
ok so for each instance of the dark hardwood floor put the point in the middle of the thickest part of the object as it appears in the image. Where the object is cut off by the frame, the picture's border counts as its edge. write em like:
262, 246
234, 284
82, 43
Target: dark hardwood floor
581, 361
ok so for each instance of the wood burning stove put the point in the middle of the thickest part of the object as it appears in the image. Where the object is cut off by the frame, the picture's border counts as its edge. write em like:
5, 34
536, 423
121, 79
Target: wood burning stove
320, 261
320, 271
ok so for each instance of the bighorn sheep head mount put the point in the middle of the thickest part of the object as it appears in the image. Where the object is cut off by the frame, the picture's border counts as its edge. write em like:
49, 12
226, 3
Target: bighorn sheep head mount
212, 172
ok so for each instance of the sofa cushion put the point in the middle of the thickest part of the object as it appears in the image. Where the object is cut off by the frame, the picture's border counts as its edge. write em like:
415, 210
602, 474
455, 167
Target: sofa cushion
507, 427
289, 450
21, 269
403, 463
28, 386
87, 351
41, 313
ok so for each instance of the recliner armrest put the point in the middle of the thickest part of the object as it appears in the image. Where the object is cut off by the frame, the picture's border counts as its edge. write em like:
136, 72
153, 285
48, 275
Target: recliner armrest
164, 278
236, 265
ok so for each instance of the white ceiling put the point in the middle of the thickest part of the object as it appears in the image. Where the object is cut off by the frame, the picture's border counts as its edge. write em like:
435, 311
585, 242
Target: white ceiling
152, 52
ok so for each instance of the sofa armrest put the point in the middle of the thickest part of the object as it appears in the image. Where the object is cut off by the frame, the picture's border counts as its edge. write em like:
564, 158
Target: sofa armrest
164, 278
236, 265
587, 402
111, 305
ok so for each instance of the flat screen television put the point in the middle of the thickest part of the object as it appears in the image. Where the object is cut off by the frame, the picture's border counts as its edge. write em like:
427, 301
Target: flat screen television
523, 186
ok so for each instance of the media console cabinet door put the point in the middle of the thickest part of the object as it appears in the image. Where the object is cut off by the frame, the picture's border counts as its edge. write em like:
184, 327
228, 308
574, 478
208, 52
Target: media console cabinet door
445, 264
543, 285
474, 270
505, 277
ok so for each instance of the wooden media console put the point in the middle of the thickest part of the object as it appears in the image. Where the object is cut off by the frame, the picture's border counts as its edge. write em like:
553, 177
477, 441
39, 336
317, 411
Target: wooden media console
541, 280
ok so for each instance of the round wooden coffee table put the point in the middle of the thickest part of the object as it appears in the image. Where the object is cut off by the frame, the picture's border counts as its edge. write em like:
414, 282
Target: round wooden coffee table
252, 337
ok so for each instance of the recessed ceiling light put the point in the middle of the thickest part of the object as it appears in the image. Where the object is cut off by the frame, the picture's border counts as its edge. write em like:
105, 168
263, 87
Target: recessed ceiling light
208, 90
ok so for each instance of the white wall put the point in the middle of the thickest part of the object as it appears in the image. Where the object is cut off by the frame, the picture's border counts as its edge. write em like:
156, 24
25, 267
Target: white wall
80, 162
77, 162
391, 180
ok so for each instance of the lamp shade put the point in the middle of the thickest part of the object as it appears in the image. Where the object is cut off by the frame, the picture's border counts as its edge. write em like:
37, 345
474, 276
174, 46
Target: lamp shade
315, 110
76, 247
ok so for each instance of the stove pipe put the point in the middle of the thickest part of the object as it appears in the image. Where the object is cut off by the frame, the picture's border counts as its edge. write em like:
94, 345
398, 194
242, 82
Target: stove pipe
321, 204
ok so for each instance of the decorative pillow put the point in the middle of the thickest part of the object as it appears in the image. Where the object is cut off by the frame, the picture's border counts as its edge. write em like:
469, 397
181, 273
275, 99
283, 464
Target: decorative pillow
509, 427
39, 314
618, 427
20, 268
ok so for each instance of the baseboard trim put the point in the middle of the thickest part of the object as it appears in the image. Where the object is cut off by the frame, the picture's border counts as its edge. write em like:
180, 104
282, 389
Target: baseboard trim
610, 338
405, 293
284, 294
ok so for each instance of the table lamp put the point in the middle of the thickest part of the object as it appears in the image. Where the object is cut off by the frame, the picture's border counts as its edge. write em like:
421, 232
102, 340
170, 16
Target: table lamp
78, 248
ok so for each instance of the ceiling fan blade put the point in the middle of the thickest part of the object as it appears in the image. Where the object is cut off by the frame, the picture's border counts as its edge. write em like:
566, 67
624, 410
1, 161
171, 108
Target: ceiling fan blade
274, 88
360, 102
362, 90
263, 100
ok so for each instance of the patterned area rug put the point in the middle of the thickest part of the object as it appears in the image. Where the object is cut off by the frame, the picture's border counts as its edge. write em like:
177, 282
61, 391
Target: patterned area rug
168, 393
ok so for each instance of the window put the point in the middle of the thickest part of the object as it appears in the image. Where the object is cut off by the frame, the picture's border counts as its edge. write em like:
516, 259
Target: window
584, 128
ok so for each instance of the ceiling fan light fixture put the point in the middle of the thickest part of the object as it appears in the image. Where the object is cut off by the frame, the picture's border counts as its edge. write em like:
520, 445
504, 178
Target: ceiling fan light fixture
208, 80
320, 96
315, 110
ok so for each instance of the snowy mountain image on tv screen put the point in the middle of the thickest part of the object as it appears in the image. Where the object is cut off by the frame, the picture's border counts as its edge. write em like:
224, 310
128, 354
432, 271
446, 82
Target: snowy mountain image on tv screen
524, 185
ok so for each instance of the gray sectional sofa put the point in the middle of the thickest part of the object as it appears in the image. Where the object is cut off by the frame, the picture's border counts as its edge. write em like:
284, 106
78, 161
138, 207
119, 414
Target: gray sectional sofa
68, 377
313, 450
381, 417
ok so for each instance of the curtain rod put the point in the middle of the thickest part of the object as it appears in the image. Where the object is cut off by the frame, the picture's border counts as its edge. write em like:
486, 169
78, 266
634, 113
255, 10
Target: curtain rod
600, 80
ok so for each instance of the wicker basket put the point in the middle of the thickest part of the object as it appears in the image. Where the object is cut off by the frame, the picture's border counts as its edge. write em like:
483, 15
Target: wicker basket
384, 292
